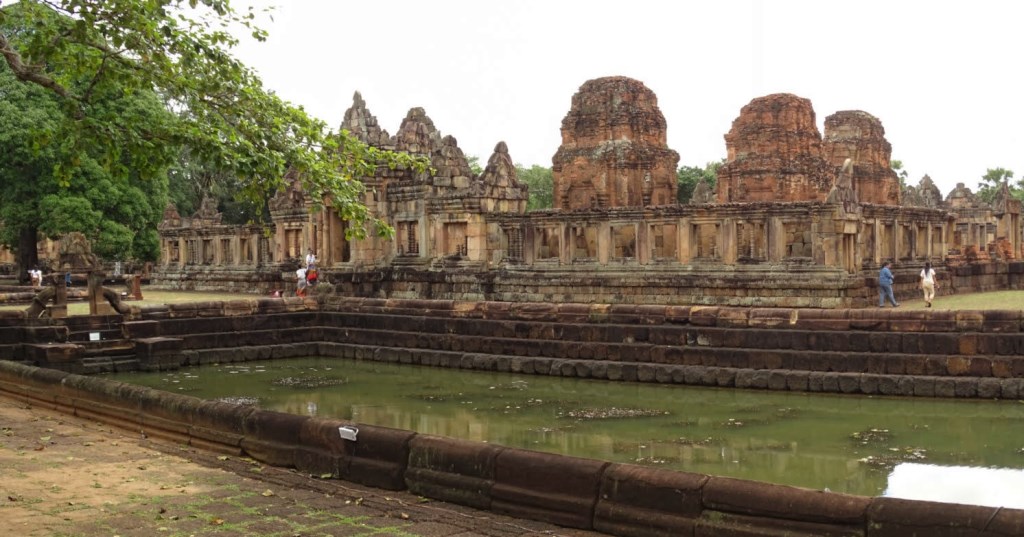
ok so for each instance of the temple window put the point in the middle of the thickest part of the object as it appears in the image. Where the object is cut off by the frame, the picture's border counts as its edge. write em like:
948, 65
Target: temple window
548, 245
664, 243
584, 242
624, 242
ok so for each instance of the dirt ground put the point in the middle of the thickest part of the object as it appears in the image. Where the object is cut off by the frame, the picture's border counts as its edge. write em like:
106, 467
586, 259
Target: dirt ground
64, 476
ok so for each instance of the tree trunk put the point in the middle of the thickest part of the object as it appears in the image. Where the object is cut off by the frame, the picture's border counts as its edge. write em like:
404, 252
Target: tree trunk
27, 255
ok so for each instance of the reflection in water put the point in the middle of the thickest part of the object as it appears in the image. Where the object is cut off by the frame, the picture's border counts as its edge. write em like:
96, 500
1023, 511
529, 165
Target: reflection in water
843, 443
995, 487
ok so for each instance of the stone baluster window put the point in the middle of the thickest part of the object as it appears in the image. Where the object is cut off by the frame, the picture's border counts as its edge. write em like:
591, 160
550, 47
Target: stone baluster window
244, 253
192, 253
226, 256
751, 240
455, 239
515, 243
264, 254
208, 252
408, 244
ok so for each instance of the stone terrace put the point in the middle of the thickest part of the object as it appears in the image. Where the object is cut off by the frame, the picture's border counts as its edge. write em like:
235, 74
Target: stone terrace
886, 352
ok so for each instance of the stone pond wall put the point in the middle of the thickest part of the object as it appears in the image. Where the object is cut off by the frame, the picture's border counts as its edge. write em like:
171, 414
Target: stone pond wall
869, 351
618, 499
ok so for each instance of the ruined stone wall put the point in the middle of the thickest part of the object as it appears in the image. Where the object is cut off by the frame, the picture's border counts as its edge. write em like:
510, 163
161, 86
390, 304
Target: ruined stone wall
614, 150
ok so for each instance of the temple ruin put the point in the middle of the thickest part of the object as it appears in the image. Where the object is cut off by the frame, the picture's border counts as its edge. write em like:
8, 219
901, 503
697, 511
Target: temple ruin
798, 219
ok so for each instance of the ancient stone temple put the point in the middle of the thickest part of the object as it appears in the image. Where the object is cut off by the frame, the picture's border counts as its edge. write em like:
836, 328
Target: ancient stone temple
774, 153
797, 219
614, 151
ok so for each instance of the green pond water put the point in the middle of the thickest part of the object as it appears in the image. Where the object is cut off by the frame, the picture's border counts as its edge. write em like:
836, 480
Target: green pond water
964, 451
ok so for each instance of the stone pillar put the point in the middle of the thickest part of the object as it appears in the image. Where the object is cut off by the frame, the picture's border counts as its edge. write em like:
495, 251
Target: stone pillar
604, 242
727, 241
564, 239
95, 290
643, 246
684, 241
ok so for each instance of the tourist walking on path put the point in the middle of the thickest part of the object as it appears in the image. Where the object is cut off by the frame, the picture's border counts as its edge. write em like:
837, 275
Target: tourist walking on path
928, 284
310, 259
885, 286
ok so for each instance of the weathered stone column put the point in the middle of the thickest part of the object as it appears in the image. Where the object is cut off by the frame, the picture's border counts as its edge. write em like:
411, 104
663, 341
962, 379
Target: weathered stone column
604, 242
727, 241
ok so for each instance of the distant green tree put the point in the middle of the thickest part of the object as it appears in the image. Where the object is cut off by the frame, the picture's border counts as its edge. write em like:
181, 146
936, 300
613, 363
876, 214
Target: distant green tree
689, 176
993, 179
540, 181
474, 164
901, 173
190, 180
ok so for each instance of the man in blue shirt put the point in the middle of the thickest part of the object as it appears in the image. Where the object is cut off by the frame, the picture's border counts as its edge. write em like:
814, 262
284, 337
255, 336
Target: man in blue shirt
885, 286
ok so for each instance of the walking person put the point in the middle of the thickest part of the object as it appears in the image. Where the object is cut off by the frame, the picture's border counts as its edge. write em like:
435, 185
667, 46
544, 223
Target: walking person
928, 284
885, 280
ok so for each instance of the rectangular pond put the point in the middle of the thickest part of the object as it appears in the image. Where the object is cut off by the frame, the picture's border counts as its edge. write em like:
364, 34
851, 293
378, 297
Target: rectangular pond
936, 449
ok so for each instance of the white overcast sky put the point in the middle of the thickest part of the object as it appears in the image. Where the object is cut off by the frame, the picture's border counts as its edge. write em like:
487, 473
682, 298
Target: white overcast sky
944, 77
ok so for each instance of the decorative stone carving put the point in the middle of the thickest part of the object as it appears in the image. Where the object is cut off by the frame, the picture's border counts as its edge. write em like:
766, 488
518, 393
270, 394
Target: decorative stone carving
76, 253
859, 136
614, 150
702, 194
774, 154
207, 213
843, 191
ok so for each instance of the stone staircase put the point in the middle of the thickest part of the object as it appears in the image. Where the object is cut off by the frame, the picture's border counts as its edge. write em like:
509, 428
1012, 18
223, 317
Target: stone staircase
93, 344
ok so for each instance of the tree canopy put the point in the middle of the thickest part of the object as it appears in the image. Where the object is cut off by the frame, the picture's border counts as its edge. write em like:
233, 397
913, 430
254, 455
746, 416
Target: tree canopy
540, 184
992, 181
687, 178
84, 51
118, 211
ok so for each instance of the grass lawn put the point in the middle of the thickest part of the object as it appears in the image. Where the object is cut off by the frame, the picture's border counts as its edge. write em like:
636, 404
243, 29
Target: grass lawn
996, 300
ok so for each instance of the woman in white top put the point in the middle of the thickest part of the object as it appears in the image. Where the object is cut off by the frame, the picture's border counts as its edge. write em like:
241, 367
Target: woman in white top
928, 283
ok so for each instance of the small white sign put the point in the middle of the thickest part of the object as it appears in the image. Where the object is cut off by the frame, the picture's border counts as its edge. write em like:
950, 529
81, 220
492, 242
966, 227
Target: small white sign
94, 336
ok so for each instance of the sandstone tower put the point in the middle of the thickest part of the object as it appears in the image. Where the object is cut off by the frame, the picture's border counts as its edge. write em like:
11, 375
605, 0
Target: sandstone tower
774, 154
859, 136
614, 151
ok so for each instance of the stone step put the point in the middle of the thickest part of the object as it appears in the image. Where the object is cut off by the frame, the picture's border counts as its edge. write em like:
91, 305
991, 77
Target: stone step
109, 364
